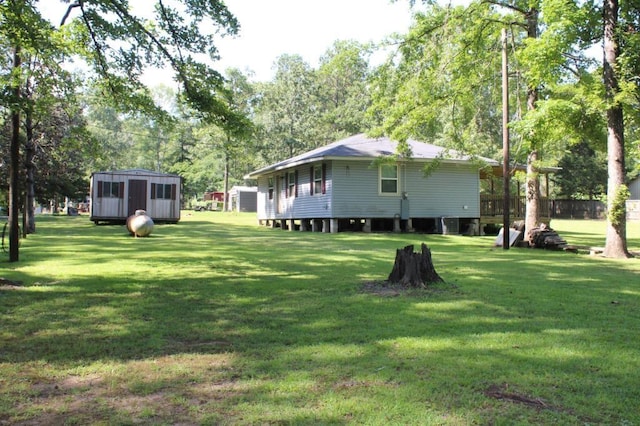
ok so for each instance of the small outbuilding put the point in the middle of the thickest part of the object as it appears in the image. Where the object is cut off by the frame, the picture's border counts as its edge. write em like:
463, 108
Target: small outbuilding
633, 203
634, 188
243, 198
117, 195
355, 184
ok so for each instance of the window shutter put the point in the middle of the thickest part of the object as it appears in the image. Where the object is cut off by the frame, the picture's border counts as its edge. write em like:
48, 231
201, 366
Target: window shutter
324, 178
311, 181
99, 194
121, 190
295, 183
153, 191
173, 191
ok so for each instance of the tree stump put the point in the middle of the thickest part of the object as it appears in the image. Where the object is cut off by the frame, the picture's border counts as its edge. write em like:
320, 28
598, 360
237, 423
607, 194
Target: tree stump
414, 269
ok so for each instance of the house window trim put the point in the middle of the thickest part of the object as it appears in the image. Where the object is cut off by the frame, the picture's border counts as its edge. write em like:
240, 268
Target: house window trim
380, 179
270, 187
319, 179
292, 184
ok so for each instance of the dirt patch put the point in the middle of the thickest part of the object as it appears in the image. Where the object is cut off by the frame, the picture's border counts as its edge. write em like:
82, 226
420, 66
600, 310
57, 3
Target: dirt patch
349, 384
6, 284
178, 389
502, 392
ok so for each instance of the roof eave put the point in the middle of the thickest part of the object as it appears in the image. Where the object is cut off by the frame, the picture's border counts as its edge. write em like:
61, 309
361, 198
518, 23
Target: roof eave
282, 166
279, 167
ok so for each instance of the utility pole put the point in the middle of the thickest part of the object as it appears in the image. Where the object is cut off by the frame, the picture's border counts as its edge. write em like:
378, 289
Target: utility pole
505, 142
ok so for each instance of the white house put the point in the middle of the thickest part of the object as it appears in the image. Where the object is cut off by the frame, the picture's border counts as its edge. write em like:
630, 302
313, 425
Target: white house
346, 186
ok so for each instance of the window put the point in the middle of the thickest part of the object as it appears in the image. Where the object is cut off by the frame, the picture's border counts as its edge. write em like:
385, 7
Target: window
389, 179
163, 191
110, 189
317, 180
270, 187
292, 184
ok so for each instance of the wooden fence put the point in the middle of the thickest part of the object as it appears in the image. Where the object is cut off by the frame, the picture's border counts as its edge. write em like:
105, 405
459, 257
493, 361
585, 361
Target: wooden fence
493, 206
578, 209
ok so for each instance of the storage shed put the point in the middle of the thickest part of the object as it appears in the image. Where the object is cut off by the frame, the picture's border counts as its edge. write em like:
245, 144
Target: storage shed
634, 188
633, 203
118, 194
244, 198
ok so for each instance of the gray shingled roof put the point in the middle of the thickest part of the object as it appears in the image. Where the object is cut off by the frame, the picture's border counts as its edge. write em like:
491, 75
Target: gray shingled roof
363, 147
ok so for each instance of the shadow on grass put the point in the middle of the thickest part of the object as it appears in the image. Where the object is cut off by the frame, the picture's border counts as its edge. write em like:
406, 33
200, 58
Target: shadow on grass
290, 312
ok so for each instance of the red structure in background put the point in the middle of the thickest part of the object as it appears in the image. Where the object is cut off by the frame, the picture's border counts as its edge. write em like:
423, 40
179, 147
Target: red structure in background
215, 196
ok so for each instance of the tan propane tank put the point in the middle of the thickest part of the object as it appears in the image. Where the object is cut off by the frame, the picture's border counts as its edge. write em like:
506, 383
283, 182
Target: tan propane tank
140, 224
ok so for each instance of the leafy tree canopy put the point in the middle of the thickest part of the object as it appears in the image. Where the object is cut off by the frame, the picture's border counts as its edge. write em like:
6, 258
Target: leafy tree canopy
119, 45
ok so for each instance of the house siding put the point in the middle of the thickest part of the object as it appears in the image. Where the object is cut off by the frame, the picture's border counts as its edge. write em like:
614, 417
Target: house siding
302, 206
356, 192
445, 192
352, 191
451, 190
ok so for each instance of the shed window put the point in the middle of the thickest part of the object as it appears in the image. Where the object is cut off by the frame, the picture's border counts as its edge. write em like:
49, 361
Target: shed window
163, 191
270, 187
110, 189
389, 179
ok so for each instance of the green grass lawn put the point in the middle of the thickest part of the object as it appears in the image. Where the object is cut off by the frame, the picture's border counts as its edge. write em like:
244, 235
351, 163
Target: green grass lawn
218, 321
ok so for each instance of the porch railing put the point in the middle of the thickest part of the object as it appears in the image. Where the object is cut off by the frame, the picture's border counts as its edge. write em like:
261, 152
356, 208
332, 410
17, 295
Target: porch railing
493, 206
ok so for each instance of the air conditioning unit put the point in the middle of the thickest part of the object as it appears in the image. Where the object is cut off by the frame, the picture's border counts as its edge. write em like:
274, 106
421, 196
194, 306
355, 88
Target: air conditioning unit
450, 225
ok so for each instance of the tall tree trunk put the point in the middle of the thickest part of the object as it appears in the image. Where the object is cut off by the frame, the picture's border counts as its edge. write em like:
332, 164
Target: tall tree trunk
616, 240
532, 211
14, 166
532, 195
30, 153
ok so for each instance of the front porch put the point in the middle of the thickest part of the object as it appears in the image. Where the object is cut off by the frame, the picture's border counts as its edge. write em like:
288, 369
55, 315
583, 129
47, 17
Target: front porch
492, 203
492, 209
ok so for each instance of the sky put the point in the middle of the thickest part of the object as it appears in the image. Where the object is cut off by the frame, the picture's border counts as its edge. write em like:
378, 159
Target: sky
270, 28
308, 28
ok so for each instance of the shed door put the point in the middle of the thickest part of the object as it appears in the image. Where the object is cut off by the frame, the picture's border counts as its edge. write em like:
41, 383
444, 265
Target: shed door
137, 196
